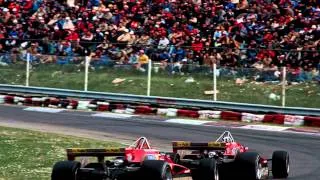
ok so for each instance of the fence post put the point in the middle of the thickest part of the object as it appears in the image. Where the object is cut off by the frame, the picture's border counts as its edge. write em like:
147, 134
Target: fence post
149, 77
86, 74
28, 70
214, 82
284, 79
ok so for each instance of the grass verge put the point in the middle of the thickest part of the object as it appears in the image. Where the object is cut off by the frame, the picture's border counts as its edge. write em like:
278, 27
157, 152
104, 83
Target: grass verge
30, 155
163, 84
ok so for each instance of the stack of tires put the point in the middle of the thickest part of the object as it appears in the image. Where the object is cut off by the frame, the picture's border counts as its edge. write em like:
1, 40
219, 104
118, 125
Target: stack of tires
2, 99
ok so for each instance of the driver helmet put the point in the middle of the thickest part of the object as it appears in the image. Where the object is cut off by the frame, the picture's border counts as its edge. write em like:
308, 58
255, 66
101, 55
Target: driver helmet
227, 139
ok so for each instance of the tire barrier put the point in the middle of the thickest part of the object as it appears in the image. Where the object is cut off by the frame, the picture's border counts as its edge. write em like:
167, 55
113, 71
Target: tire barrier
117, 108
312, 121
36, 101
279, 119
130, 111
146, 109
171, 112
231, 116
102, 106
162, 111
64, 103
268, 118
207, 114
19, 100
28, 101
187, 113
9, 99
70, 104
53, 102
83, 105
248, 117
2, 97
291, 120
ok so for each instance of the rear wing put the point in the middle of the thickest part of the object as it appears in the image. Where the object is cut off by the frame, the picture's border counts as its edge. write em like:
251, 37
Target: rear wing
72, 153
187, 145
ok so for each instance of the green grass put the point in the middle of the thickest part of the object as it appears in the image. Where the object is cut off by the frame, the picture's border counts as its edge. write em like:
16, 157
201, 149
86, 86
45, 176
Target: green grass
163, 84
30, 155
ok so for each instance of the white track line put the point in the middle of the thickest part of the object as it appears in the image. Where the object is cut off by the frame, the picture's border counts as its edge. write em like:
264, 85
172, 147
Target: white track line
264, 127
42, 109
113, 115
186, 121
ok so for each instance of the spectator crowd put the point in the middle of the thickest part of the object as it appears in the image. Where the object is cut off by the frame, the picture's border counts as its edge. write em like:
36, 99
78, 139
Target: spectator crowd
264, 34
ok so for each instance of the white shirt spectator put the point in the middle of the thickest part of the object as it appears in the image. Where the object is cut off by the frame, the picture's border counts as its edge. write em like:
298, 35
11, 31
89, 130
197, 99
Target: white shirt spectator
68, 24
71, 3
197, 2
163, 43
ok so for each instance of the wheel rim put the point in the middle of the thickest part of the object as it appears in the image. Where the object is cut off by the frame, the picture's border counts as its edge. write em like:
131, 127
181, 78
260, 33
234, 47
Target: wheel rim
258, 169
76, 175
216, 175
288, 166
259, 173
168, 175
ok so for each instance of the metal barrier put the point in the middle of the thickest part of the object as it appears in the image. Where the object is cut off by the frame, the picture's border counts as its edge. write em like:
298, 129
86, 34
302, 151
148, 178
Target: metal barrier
187, 80
189, 103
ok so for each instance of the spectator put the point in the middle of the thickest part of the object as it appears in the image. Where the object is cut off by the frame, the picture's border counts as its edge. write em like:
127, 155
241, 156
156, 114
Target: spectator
143, 61
169, 30
163, 42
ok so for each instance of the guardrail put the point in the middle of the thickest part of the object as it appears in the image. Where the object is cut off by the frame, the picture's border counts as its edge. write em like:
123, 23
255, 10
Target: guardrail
189, 103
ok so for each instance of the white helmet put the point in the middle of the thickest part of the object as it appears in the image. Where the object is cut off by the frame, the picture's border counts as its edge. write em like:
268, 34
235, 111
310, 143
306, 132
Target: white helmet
227, 139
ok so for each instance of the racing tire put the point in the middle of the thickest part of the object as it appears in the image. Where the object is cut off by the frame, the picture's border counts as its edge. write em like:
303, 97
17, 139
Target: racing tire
156, 170
207, 170
248, 165
280, 164
65, 170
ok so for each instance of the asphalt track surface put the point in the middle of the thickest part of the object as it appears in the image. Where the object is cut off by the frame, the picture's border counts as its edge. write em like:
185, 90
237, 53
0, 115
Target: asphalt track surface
304, 149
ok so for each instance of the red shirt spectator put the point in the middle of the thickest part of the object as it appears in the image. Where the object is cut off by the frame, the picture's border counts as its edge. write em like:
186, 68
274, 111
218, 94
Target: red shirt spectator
14, 7
268, 37
197, 45
28, 5
73, 36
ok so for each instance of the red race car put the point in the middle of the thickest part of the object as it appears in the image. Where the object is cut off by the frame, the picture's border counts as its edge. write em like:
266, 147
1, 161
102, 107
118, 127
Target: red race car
227, 160
138, 161
221, 159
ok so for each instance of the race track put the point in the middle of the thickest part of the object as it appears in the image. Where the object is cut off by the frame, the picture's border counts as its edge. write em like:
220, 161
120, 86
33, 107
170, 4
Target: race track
304, 149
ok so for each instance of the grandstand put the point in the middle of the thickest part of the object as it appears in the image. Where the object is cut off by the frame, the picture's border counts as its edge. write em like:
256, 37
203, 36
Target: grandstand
264, 34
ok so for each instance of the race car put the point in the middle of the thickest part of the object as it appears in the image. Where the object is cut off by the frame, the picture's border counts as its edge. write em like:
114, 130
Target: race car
227, 159
138, 161
221, 159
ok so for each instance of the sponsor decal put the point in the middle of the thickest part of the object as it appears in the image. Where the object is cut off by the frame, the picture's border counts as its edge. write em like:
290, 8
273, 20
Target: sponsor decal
181, 144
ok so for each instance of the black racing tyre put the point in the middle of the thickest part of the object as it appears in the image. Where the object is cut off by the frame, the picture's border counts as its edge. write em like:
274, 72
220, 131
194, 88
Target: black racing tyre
97, 166
65, 170
156, 170
248, 164
280, 164
207, 170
